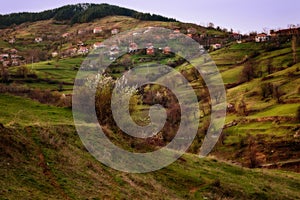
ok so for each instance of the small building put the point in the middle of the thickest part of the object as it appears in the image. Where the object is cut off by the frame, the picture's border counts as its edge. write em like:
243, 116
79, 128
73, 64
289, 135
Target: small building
286, 32
176, 31
65, 35
83, 51
70, 52
114, 48
236, 36
81, 32
13, 51
114, 51
97, 30
80, 43
114, 31
15, 62
54, 54
38, 39
12, 41
167, 50
98, 45
216, 46
150, 49
15, 56
133, 47
262, 37
4, 56
6, 63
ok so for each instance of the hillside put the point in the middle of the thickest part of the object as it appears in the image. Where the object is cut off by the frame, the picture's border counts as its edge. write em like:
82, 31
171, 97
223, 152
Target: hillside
42, 156
45, 159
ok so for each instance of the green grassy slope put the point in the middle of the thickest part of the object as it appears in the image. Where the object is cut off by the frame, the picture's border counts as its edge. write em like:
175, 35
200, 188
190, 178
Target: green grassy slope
45, 159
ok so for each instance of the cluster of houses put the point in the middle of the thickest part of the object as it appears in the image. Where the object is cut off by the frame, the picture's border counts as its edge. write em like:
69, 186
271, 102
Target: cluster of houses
11, 58
83, 49
263, 37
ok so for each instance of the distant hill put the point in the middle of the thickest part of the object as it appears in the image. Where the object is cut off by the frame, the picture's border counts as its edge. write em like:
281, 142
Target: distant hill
79, 13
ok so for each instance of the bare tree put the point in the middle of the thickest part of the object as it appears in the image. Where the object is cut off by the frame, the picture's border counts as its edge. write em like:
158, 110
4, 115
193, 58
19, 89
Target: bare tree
211, 25
247, 72
277, 93
4, 74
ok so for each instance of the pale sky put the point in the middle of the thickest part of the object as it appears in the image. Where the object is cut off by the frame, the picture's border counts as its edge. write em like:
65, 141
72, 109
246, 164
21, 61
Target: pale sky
240, 15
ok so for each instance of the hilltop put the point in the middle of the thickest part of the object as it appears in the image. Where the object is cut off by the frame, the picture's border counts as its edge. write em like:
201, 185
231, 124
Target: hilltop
79, 13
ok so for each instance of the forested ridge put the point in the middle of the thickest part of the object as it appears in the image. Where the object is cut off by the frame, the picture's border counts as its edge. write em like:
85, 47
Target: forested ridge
79, 13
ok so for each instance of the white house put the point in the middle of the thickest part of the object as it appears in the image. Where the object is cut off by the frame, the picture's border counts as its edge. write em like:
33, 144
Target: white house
81, 31
98, 45
83, 50
12, 41
15, 62
133, 47
65, 35
38, 39
54, 54
262, 37
97, 30
216, 46
114, 31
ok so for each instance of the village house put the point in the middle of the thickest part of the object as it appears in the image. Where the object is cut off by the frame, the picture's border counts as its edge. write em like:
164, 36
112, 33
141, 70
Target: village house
167, 50
114, 51
146, 31
190, 35
6, 63
262, 37
54, 54
114, 31
114, 48
15, 56
12, 41
4, 57
83, 51
98, 45
81, 32
285, 32
80, 43
65, 35
15, 62
216, 46
176, 31
135, 34
133, 47
236, 36
97, 30
38, 39
150, 49
14, 51
70, 52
